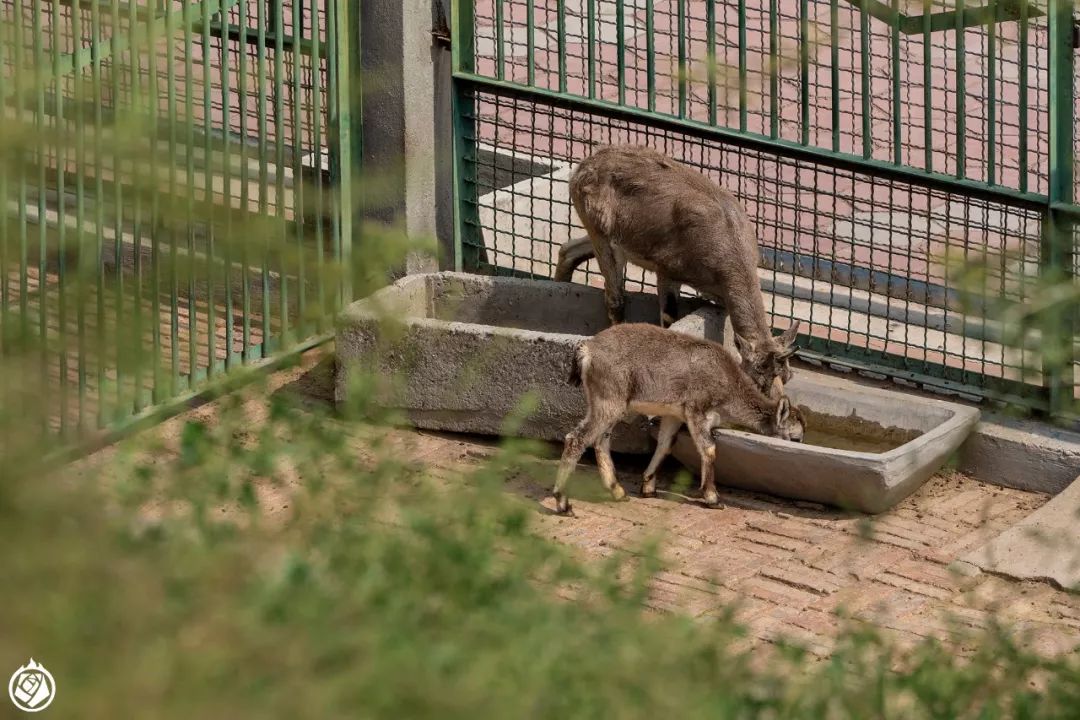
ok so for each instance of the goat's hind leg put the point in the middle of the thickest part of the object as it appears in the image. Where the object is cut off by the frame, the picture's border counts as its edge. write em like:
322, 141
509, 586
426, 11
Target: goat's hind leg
575, 252
587, 433
607, 467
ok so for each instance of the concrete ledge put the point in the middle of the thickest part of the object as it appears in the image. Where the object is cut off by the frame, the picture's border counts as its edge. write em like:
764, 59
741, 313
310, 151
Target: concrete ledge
1021, 454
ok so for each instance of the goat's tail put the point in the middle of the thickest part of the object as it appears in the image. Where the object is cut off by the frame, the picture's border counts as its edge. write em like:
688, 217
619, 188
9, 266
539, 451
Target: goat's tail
577, 364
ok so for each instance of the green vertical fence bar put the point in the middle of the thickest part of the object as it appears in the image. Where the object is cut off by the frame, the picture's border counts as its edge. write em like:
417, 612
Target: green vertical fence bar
227, 198
317, 142
209, 199
299, 210
279, 171
123, 353
650, 55
137, 182
991, 98
154, 109
40, 152
864, 71
264, 171
742, 65
344, 34
61, 229
20, 71
710, 40
928, 94
189, 191
774, 70
101, 356
463, 60
80, 219
590, 40
560, 29
171, 207
834, 70
620, 45
4, 171
245, 192
961, 93
1022, 99
500, 51
1060, 324
681, 19
333, 138
530, 44
897, 115
804, 71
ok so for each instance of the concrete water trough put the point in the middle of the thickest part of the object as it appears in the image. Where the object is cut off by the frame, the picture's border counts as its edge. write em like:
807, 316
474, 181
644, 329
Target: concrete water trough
466, 349
866, 448
460, 352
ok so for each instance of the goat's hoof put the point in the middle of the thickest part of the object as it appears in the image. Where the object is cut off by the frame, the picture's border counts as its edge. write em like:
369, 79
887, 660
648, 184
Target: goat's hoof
618, 492
562, 505
648, 488
712, 499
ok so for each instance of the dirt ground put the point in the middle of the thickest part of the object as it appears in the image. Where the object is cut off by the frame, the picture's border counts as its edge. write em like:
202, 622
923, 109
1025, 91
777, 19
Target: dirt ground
790, 566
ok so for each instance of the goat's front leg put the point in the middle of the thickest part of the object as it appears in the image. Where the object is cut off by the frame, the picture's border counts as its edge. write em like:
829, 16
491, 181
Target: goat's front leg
669, 426
667, 292
701, 433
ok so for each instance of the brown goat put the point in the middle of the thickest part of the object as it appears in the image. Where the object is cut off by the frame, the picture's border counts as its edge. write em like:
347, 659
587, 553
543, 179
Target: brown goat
649, 370
637, 204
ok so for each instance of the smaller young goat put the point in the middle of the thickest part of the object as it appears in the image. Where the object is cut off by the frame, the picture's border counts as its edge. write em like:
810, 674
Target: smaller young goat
653, 371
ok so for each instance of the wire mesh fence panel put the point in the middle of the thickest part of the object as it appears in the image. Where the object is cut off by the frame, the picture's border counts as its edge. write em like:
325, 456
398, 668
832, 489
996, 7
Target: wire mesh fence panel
861, 261
168, 193
901, 83
896, 157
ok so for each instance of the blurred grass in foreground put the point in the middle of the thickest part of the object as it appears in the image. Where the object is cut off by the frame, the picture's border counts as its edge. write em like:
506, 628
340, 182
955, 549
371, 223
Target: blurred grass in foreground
384, 592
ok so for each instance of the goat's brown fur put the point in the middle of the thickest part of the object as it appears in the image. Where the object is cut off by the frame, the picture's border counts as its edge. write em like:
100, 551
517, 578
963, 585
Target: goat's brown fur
641, 206
653, 371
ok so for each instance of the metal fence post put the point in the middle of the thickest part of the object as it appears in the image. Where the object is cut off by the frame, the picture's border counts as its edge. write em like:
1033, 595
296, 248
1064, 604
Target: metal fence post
348, 141
466, 221
1057, 248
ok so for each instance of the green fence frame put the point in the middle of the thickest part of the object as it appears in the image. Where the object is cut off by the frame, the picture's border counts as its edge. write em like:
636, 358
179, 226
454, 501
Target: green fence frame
160, 135
1053, 202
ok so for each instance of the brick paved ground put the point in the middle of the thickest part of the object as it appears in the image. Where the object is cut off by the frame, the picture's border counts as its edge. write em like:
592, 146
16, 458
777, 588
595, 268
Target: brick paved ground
790, 565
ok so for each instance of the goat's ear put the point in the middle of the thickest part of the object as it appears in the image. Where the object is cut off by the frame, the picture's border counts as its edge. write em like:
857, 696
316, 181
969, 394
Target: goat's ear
783, 411
744, 346
787, 352
787, 337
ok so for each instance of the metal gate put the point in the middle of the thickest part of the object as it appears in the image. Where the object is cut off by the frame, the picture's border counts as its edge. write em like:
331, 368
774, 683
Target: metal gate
909, 164
172, 195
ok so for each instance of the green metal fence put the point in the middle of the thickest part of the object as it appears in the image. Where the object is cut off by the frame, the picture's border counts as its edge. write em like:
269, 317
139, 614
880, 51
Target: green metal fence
879, 146
172, 192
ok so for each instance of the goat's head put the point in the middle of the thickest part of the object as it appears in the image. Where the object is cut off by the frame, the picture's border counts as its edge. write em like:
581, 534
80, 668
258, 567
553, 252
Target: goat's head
767, 361
787, 421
